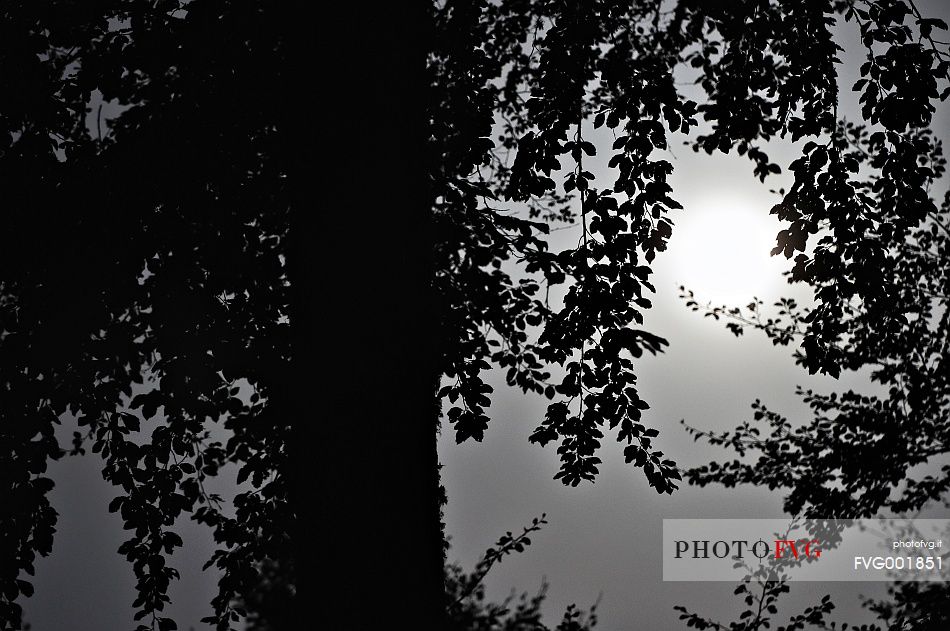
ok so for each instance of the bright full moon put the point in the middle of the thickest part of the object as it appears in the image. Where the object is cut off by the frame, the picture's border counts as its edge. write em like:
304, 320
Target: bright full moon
720, 250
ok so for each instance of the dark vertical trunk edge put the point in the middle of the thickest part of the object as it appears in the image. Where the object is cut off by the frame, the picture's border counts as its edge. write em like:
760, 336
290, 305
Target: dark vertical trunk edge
369, 536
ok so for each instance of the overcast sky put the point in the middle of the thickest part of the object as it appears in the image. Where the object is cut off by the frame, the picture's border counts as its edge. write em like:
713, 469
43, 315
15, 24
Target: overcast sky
602, 538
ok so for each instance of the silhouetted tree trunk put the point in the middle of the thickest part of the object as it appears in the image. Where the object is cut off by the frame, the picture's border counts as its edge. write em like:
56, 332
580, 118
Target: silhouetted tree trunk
365, 378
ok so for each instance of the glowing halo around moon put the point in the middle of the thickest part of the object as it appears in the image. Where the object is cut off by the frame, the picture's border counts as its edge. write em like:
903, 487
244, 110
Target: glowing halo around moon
720, 250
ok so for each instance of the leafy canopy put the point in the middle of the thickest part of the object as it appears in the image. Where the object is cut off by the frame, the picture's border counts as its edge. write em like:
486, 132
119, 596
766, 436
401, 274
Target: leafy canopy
517, 85
868, 229
113, 306
143, 286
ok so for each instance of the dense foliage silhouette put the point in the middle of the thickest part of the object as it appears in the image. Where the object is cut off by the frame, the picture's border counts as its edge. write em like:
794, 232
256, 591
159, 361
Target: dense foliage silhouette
162, 213
144, 287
